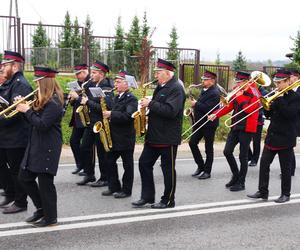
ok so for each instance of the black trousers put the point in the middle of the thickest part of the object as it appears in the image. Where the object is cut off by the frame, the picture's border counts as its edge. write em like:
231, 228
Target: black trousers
256, 140
87, 152
43, 194
267, 157
12, 157
209, 136
244, 139
293, 164
113, 177
75, 141
5, 179
146, 162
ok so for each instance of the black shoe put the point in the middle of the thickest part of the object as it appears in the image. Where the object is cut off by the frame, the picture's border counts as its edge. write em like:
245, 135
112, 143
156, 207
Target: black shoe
6, 201
162, 205
82, 174
107, 193
204, 176
76, 171
37, 215
121, 195
86, 180
283, 198
252, 164
13, 209
231, 182
44, 223
258, 195
141, 203
237, 187
197, 172
99, 183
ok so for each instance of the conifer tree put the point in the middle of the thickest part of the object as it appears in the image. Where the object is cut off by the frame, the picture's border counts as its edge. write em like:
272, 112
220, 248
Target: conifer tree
173, 53
240, 63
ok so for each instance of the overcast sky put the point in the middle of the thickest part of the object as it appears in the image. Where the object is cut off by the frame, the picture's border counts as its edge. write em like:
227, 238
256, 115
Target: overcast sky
260, 28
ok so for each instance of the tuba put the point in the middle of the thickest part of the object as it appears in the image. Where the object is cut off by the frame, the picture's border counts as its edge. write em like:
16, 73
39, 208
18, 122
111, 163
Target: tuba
83, 110
103, 127
140, 115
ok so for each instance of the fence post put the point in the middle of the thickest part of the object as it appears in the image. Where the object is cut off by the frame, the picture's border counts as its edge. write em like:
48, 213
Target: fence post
19, 35
86, 47
196, 66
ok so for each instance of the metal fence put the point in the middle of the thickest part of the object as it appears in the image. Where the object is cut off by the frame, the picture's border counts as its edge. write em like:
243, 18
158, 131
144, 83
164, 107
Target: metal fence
222, 71
9, 28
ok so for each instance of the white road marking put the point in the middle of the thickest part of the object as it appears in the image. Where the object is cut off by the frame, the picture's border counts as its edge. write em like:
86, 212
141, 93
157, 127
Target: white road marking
207, 208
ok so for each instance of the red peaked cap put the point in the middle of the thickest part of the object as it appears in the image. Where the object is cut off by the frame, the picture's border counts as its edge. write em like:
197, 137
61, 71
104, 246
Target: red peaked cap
163, 64
12, 56
44, 72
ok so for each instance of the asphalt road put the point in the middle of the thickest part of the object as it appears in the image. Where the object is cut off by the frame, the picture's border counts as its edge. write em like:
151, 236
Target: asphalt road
206, 216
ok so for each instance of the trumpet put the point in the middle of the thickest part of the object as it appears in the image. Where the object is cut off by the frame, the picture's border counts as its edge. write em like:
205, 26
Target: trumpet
266, 102
11, 111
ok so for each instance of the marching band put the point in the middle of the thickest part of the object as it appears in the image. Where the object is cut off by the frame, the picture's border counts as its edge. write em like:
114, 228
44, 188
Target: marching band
106, 118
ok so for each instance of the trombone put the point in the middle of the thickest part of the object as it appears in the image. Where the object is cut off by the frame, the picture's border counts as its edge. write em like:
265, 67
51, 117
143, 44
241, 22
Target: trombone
258, 77
223, 92
238, 113
11, 111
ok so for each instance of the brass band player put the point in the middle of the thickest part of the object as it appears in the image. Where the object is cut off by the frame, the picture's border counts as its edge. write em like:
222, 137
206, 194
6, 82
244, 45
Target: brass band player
82, 75
123, 138
281, 137
209, 98
98, 79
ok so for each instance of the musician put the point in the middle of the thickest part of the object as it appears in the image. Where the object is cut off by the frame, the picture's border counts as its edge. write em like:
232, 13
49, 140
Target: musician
123, 138
208, 99
4, 166
163, 136
13, 133
253, 155
243, 131
82, 75
293, 78
98, 79
280, 139
44, 147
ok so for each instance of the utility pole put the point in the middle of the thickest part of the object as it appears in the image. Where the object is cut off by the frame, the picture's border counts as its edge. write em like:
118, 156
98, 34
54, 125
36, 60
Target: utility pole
9, 22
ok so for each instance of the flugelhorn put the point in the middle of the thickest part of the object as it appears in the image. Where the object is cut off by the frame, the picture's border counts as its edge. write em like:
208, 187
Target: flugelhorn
11, 111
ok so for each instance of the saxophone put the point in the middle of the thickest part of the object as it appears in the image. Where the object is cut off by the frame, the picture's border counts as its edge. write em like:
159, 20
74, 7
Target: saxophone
103, 127
83, 110
140, 115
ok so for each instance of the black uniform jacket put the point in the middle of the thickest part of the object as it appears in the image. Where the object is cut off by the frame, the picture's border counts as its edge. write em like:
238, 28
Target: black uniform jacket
298, 116
165, 114
75, 119
14, 131
121, 122
207, 100
45, 140
283, 115
94, 102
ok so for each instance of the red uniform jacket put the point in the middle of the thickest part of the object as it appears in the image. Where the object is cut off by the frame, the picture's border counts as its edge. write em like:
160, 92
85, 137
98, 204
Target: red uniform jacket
239, 103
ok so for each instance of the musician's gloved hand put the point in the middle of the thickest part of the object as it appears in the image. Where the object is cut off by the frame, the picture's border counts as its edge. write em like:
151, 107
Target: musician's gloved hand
106, 114
73, 95
84, 100
145, 102
212, 117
